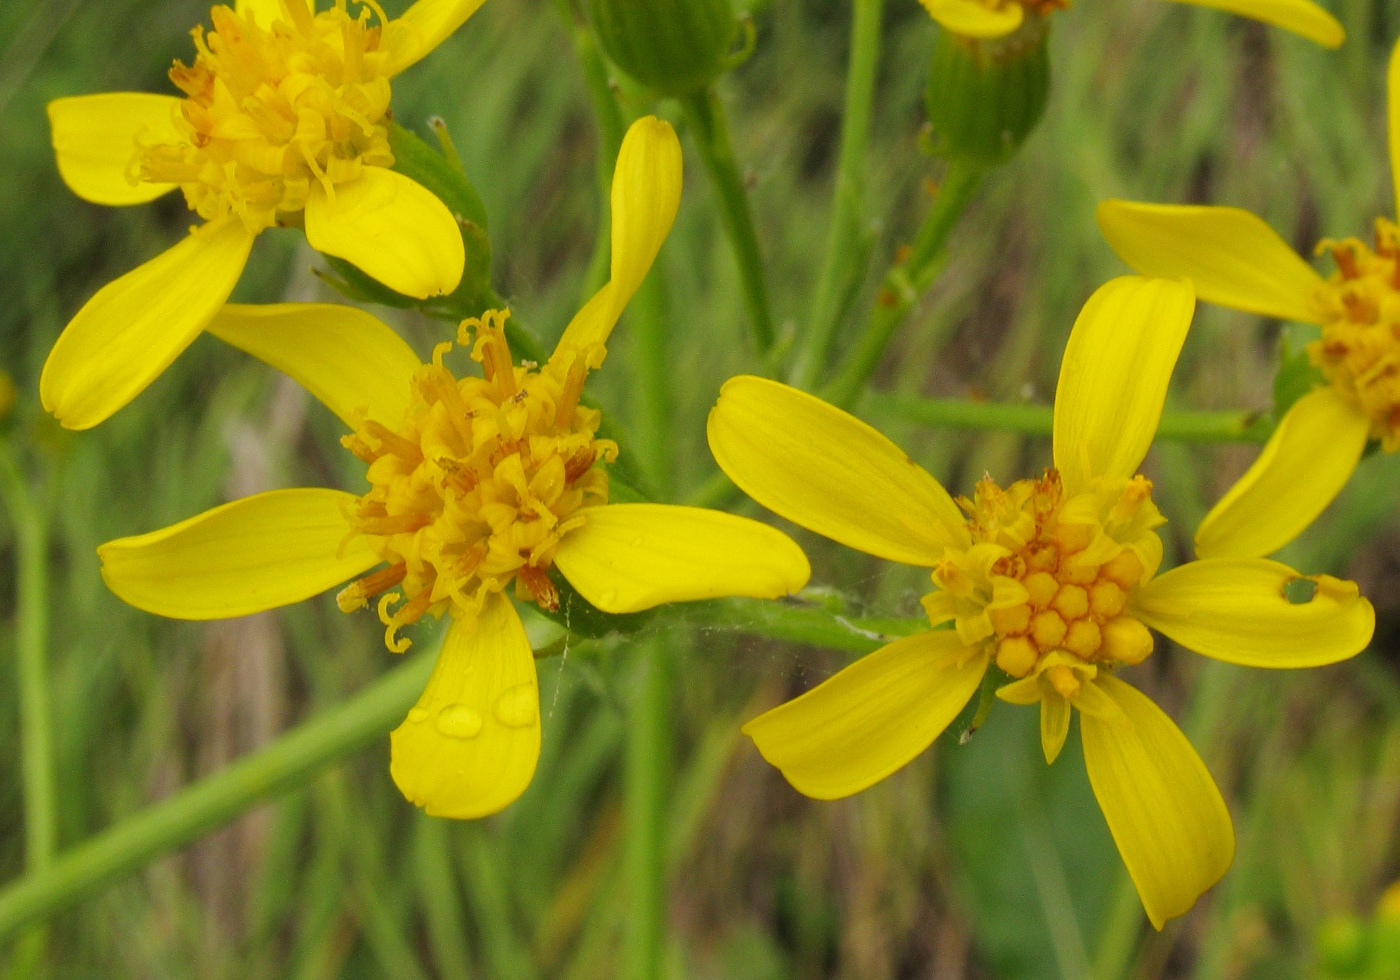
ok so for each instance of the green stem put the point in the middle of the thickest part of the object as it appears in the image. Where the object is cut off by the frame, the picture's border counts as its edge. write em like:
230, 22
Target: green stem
646, 780
1038, 420
31, 661
906, 282
705, 114
286, 764
282, 766
649, 753
840, 265
612, 126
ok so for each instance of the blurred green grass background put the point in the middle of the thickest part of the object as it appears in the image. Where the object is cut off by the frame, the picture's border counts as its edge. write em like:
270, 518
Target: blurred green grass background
973, 862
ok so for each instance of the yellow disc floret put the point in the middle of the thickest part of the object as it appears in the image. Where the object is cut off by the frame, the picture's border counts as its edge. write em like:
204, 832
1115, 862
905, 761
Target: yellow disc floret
478, 484
270, 111
1046, 582
1359, 351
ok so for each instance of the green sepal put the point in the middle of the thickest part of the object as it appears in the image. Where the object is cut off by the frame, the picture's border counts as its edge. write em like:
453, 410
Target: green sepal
581, 618
675, 47
985, 96
1297, 375
414, 158
972, 717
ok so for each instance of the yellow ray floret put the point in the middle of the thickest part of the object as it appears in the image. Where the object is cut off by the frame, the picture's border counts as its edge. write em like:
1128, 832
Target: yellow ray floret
1052, 579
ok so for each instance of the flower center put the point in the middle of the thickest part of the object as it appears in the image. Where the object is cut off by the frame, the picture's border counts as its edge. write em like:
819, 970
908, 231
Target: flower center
1047, 579
271, 110
478, 484
1359, 351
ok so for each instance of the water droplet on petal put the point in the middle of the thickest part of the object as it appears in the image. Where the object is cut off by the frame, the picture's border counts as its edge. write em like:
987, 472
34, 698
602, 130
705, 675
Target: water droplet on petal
459, 721
518, 706
609, 597
637, 542
418, 714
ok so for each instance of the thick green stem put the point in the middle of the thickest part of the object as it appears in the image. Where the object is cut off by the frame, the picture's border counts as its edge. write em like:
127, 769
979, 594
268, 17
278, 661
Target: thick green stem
31, 662
840, 265
1038, 420
282, 766
710, 126
906, 282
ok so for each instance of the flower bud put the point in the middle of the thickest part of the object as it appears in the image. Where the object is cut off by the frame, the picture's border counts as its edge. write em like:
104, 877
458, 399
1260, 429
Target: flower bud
672, 46
984, 96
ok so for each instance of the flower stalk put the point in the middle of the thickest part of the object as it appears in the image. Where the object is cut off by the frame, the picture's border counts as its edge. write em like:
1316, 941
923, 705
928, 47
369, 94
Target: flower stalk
710, 126
842, 266
908, 278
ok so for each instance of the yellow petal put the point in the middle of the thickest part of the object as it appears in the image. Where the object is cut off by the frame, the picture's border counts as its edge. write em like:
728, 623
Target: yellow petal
345, 357
392, 228
1299, 16
1054, 726
1114, 377
1231, 256
95, 139
1305, 463
1164, 810
265, 13
646, 192
469, 747
423, 27
872, 718
831, 473
1235, 609
257, 553
630, 557
1393, 100
973, 19
131, 330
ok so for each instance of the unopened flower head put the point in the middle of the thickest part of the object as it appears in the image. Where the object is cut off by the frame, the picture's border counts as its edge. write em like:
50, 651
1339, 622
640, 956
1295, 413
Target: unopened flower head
284, 120
1054, 579
481, 485
1237, 260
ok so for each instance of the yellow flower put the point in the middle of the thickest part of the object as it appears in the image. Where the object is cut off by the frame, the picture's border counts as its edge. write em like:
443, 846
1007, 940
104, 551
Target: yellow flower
284, 121
987, 19
1237, 260
1053, 579
477, 485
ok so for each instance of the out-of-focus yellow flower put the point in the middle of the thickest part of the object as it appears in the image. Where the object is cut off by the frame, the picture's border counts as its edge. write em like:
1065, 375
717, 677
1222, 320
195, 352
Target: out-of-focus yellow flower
477, 485
1055, 580
987, 19
1237, 260
284, 121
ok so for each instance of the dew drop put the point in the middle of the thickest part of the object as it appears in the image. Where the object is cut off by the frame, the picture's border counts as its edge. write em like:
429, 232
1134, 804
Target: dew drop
518, 706
417, 714
609, 597
459, 721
